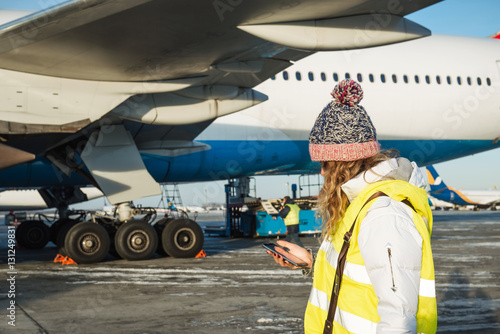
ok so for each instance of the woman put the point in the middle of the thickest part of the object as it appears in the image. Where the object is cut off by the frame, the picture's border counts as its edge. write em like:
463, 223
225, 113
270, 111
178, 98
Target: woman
387, 281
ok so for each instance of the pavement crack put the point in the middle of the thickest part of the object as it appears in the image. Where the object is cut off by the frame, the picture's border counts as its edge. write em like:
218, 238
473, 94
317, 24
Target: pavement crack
41, 329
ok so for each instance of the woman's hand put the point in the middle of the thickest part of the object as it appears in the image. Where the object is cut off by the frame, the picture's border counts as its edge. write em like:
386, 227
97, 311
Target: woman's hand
294, 251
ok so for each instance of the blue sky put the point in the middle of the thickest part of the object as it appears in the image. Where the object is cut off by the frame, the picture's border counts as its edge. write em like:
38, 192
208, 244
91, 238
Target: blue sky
457, 17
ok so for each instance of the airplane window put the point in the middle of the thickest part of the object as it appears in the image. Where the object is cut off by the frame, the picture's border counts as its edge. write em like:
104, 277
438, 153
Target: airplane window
372, 79
311, 76
347, 76
459, 80
394, 78
417, 79
448, 79
285, 75
469, 81
323, 76
427, 79
479, 82
405, 78
335, 77
273, 77
360, 77
438, 79
298, 76
488, 81
382, 78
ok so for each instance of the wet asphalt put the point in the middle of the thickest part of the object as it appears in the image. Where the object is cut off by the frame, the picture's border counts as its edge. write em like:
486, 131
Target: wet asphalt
237, 288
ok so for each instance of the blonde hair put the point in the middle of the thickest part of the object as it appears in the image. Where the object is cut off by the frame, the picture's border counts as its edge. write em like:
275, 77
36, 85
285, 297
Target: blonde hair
332, 201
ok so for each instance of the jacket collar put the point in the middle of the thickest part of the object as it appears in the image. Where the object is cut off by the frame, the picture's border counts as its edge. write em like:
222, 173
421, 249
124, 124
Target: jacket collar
392, 169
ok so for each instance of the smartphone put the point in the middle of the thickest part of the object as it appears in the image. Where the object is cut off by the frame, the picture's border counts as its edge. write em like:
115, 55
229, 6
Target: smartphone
277, 249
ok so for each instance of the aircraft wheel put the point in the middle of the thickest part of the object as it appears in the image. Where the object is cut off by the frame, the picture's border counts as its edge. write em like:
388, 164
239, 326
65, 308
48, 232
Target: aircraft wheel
159, 227
87, 242
33, 234
136, 240
54, 230
61, 236
112, 248
182, 238
19, 233
56, 227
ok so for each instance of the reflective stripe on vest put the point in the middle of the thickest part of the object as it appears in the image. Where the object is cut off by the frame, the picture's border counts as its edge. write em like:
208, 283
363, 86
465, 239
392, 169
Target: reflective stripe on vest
350, 322
357, 305
358, 272
292, 218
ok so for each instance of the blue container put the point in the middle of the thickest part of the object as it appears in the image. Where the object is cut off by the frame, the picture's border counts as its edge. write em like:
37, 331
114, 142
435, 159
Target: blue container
267, 225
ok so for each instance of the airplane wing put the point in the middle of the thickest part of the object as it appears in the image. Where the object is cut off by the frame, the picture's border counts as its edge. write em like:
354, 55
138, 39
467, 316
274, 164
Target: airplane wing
97, 80
145, 40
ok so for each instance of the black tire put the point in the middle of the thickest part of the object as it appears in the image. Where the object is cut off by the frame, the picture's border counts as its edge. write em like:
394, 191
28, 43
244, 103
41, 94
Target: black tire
136, 240
159, 227
19, 233
33, 234
56, 227
182, 238
61, 236
54, 230
112, 232
87, 242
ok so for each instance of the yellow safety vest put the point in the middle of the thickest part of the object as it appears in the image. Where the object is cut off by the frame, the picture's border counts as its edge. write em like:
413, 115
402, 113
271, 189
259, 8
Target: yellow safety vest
357, 303
292, 218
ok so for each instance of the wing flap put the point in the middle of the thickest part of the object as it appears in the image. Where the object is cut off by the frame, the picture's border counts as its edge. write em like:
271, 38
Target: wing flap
115, 163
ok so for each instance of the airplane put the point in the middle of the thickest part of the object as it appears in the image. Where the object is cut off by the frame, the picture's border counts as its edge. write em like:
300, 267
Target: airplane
221, 90
435, 203
478, 199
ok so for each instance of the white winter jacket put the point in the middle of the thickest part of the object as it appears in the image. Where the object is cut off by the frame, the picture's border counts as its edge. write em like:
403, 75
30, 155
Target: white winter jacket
388, 225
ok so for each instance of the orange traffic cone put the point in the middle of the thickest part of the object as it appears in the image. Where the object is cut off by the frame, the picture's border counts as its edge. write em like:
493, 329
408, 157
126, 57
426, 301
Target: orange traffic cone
201, 254
68, 260
59, 258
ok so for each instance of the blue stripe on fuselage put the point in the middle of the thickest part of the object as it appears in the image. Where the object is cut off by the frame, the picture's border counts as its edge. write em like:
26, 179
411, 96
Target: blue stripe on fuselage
230, 159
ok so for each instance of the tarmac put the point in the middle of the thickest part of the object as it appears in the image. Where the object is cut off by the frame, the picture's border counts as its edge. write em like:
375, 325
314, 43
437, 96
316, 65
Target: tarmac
237, 288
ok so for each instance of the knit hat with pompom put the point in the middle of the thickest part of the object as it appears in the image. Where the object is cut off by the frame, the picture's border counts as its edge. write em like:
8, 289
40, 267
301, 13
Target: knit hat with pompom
343, 130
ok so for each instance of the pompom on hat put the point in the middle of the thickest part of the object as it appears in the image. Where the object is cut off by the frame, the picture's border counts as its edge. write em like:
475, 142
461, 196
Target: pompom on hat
343, 131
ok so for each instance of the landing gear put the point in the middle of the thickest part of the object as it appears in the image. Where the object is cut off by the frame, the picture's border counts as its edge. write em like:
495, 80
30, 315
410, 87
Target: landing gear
61, 236
87, 242
33, 234
159, 227
136, 240
56, 227
182, 238
88, 238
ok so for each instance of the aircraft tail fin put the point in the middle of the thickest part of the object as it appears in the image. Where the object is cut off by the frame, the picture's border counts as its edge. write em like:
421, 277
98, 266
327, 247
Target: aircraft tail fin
435, 181
442, 192
496, 35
